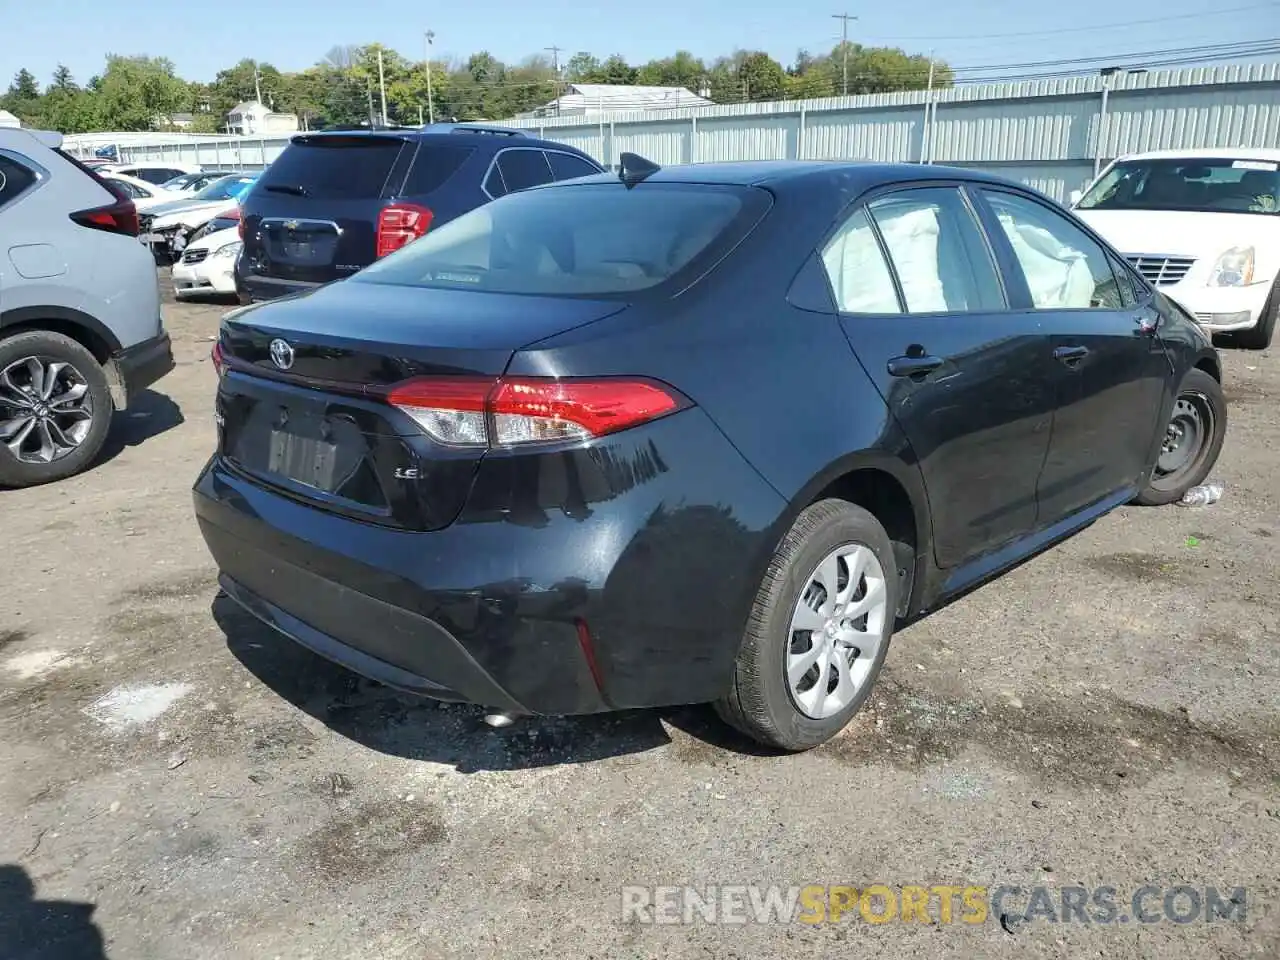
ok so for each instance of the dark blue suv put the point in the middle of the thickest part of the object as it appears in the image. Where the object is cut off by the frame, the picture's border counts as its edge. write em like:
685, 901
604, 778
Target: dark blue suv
335, 202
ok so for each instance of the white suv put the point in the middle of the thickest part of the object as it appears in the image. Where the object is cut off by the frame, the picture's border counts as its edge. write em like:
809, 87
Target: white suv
80, 327
1204, 227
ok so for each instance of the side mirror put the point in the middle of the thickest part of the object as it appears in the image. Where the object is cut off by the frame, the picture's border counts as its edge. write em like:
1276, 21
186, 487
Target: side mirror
1075, 197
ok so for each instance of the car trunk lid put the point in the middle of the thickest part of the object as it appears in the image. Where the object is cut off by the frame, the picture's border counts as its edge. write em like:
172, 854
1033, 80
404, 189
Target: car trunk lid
303, 405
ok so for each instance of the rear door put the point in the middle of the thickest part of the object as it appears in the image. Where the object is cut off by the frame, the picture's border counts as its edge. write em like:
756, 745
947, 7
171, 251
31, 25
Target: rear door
968, 380
1109, 368
312, 216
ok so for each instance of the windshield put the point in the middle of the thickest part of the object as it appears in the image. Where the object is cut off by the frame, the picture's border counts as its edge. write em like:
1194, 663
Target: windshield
1210, 185
228, 188
586, 240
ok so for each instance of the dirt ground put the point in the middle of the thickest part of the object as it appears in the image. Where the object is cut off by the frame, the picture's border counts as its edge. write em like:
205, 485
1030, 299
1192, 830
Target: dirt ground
175, 781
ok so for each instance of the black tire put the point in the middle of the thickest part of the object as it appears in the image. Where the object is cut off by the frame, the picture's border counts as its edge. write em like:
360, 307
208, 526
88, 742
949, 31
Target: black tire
1204, 393
759, 702
55, 347
1258, 337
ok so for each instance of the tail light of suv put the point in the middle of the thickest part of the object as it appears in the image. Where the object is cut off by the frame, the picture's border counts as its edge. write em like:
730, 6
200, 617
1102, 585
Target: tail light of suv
118, 217
510, 411
399, 224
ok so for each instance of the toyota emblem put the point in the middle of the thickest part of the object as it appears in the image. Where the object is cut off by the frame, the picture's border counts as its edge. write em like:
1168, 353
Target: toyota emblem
281, 354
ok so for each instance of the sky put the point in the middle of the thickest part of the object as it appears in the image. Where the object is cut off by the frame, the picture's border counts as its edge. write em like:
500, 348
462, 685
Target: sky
293, 34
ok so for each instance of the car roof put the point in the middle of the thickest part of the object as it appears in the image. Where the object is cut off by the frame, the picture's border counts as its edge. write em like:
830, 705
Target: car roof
1213, 153
46, 138
498, 138
859, 174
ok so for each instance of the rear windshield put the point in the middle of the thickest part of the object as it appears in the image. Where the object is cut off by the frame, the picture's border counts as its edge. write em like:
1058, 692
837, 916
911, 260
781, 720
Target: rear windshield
228, 188
333, 167
582, 240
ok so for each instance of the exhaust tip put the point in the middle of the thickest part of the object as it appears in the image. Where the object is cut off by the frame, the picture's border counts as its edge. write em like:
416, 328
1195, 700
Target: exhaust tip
499, 719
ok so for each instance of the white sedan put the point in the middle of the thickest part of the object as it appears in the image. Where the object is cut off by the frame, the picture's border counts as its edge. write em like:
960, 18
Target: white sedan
144, 195
207, 265
1203, 226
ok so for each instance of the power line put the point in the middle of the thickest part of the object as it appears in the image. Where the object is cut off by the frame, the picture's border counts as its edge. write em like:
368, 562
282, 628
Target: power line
1088, 29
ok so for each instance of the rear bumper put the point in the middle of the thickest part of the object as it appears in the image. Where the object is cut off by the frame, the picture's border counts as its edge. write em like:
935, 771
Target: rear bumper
609, 591
142, 364
253, 287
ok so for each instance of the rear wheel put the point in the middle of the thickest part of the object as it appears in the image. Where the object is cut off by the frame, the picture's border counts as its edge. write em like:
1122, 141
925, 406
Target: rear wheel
819, 630
1192, 440
55, 408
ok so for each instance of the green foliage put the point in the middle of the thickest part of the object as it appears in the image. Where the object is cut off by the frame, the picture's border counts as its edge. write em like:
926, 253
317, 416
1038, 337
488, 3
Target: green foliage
342, 89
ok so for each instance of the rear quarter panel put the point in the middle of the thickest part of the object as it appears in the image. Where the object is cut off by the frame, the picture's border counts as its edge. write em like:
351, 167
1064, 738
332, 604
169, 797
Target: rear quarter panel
781, 383
110, 277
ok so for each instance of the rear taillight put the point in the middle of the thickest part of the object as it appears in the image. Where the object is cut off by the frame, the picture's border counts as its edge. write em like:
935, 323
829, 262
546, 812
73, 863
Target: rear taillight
399, 224
118, 217
510, 411
219, 359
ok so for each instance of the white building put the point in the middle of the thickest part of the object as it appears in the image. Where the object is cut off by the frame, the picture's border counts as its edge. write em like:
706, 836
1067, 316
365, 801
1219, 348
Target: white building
582, 99
255, 119
7, 119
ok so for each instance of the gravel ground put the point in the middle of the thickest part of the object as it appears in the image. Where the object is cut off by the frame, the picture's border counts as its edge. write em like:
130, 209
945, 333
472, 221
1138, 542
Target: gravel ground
181, 783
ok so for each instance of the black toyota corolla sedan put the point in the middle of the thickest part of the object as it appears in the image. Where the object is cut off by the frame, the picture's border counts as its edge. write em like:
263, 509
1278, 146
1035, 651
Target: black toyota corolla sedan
704, 433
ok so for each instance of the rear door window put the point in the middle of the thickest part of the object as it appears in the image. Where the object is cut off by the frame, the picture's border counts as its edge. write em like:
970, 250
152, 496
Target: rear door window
565, 166
938, 251
493, 184
15, 179
588, 240
860, 278
433, 165
523, 168
334, 167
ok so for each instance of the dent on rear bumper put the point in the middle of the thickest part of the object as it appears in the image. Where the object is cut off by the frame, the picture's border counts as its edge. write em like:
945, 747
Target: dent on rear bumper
653, 539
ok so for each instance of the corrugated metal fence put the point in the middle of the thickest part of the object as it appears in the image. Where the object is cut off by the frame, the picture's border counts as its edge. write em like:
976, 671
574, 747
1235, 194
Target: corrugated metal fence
1048, 133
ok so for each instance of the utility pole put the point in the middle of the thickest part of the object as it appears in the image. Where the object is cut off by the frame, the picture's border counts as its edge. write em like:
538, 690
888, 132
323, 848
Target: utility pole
257, 83
928, 101
844, 19
555, 68
368, 89
382, 89
426, 49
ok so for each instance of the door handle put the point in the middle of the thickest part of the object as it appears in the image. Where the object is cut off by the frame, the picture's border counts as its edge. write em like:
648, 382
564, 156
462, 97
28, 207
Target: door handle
1071, 356
913, 366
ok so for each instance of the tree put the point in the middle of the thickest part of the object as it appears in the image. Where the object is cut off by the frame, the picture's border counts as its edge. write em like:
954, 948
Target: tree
584, 67
762, 77
135, 91
62, 80
617, 71
682, 70
24, 86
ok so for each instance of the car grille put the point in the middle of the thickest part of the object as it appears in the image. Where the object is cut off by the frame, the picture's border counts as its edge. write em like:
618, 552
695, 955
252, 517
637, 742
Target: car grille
194, 256
1161, 270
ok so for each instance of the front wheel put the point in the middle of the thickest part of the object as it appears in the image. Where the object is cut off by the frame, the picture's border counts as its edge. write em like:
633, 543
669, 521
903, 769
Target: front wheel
1192, 440
819, 629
